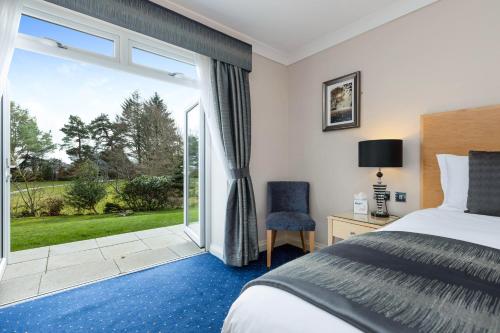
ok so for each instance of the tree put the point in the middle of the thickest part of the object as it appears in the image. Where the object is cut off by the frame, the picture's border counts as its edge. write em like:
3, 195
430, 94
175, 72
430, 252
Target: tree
109, 145
193, 147
132, 119
163, 148
87, 189
28, 146
107, 135
101, 131
76, 139
26, 139
152, 138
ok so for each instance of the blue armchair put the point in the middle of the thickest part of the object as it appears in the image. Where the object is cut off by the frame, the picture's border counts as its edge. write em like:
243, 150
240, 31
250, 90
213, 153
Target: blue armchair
288, 209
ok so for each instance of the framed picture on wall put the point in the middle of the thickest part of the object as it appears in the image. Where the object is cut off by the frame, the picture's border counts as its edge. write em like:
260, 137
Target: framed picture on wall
341, 101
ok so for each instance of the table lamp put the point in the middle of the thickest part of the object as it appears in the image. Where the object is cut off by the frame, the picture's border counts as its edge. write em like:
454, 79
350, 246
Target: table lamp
380, 154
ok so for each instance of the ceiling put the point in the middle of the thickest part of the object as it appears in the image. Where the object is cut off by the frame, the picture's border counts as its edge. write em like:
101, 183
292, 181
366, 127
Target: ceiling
290, 30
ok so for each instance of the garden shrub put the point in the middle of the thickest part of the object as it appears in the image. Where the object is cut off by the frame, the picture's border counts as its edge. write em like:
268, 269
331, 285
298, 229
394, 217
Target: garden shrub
87, 189
112, 207
53, 206
146, 193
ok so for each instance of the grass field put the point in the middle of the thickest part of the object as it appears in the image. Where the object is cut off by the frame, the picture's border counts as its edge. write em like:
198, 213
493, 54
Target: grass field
32, 232
54, 189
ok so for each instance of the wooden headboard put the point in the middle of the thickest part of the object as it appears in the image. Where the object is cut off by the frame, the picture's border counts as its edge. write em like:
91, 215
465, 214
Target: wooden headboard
453, 132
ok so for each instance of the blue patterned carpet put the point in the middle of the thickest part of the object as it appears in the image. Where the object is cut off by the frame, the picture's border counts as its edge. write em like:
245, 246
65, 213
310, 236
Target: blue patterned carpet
190, 295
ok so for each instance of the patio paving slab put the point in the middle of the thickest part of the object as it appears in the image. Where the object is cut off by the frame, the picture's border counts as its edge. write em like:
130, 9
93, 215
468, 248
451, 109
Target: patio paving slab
154, 232
144, 259
75, 275
185, 249
25, 268
179, 228
27, 255
76, 258
20, 288
123, 249
73, 247
163, 241
116, 239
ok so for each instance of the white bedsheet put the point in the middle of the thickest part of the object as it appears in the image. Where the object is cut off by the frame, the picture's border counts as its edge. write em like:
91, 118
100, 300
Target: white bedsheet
271, 310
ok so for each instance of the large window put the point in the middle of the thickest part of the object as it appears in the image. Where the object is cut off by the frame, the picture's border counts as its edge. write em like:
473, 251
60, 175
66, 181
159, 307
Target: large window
98, 129
48, 29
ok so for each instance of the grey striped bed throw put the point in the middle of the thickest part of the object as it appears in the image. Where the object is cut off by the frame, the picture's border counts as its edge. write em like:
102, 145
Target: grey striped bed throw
393, 281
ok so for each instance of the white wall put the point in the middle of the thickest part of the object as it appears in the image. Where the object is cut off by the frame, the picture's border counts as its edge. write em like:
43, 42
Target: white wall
269, 160
443, 57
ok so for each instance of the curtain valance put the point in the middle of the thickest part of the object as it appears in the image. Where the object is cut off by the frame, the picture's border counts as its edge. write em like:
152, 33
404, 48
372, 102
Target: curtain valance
161, 23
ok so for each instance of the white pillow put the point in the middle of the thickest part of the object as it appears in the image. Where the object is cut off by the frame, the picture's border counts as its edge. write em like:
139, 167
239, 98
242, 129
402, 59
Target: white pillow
454, 181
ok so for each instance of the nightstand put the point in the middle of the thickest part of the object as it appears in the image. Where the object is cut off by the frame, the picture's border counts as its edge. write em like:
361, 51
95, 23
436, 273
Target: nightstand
346, 225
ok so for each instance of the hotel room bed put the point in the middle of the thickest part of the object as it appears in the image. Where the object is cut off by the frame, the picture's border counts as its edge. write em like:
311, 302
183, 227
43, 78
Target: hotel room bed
262, 308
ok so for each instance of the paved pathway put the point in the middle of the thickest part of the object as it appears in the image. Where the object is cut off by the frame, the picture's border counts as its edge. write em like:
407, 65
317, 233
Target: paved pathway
47, 269
38, 188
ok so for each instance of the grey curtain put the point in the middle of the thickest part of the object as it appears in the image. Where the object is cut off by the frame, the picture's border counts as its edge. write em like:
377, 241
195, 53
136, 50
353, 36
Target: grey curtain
161, 23
231, 94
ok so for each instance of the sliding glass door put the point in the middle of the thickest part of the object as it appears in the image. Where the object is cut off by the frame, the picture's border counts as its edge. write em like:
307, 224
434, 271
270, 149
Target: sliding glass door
194, 225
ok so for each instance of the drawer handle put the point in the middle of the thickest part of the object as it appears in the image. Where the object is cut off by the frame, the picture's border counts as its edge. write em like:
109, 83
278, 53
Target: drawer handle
352, 233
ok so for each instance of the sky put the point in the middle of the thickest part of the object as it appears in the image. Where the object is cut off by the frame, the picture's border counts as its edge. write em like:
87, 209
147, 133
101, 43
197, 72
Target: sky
53, 88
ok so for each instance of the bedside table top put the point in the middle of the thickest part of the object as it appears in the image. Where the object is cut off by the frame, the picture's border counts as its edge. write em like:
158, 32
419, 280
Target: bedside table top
379, 221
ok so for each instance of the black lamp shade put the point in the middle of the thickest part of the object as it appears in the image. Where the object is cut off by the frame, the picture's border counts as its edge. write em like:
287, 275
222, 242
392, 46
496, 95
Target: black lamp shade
380, 153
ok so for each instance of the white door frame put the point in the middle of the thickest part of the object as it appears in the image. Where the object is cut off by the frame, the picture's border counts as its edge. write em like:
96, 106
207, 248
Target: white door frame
5, 179
199, 239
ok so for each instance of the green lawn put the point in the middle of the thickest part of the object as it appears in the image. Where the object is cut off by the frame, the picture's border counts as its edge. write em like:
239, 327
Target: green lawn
32, 232
55, 189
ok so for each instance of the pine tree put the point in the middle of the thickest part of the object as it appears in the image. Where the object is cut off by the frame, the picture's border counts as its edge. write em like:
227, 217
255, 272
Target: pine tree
76, 139
109, 145
132, 119
107, 135
162, 141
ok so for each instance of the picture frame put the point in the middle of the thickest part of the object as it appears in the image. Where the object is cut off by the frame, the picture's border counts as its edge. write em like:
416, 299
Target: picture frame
341, 102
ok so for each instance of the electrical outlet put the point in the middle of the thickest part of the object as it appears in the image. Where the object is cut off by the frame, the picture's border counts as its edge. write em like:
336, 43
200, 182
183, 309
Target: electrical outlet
400, 196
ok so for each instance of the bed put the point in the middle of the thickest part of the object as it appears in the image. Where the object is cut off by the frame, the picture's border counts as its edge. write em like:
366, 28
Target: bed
266, 307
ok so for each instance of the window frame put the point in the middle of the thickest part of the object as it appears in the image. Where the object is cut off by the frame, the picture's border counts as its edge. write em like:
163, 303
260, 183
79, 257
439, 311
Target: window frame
156, 50
124, 41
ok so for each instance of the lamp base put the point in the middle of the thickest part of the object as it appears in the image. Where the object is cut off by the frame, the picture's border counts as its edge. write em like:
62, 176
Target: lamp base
379, 191
375, 214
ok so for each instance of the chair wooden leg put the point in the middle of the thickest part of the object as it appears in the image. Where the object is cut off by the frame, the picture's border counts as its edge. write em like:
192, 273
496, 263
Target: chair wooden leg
269, 238
274, 239
303, 243
311, 241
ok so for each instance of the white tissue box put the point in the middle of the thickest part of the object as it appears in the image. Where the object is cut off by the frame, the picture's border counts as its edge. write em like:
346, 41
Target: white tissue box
361, 206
